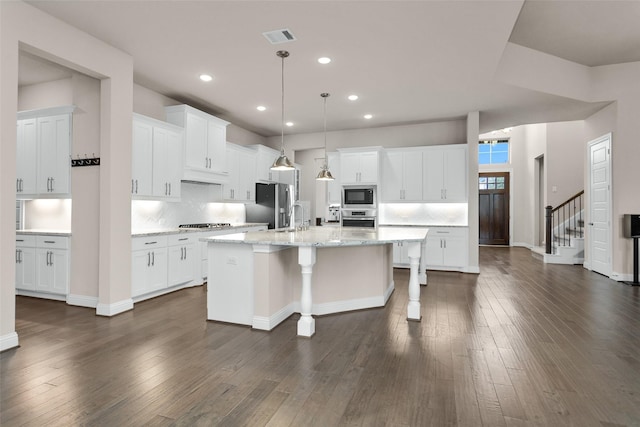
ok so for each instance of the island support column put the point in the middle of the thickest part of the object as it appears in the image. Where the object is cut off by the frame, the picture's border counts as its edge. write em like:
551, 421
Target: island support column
306, 259
413, 308
422, 273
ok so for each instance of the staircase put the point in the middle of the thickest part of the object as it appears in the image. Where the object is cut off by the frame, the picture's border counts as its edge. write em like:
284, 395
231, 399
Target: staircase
564, 233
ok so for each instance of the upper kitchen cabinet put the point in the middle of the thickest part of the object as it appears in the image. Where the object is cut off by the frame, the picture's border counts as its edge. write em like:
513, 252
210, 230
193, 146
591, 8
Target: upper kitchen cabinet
264, 159
402, 175
241, 165
334, 196
43, 152
205, 139
359, 166
156, 159
445, 173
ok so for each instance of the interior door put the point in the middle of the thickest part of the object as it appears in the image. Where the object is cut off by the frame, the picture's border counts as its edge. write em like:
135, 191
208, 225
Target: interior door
494, 208
600, 205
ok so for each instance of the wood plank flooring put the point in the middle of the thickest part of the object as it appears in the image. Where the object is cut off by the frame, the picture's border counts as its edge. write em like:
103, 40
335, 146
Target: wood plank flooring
521, 344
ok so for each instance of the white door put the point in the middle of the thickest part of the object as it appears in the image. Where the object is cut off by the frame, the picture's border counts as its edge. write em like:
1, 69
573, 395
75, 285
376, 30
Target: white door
599, 231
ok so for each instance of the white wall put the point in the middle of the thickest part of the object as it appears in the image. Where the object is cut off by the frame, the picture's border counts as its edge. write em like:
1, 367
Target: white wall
564, 161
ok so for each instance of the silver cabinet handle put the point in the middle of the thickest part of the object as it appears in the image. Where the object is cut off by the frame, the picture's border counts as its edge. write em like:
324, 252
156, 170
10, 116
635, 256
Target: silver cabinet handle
166, 189
18, 185
51, 262
148, 259
169, 188
153, 258
136, 186
17, 256
132, 182
53, 180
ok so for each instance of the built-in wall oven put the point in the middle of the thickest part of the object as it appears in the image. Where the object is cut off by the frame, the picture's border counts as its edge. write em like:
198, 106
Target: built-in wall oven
366, 218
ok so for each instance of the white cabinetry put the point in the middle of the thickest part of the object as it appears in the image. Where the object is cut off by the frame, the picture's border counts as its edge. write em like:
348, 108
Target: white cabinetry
359, 167
402, 176
446, 248
156, 159
42, 265
445, 173
334, 188
265, 157
241, 166
205, 142
182, 258
148, 264
43, 152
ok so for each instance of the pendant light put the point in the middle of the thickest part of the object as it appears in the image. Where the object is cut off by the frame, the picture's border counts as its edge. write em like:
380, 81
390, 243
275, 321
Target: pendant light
324, 174
282, 163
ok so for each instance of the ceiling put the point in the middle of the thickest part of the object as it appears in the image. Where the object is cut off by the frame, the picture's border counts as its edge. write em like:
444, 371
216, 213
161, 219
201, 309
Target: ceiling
408, 61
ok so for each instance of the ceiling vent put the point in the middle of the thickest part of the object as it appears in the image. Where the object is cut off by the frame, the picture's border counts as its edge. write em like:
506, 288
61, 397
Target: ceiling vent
279, 36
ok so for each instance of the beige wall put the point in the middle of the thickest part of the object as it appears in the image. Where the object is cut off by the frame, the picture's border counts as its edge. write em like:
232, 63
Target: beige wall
24, 27
564, 161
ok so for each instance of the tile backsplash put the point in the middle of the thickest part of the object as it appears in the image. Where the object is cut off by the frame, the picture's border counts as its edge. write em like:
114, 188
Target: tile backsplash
195, 207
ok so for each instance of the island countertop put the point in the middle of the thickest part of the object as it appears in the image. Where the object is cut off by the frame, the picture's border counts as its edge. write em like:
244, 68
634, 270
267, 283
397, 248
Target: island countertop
326, 236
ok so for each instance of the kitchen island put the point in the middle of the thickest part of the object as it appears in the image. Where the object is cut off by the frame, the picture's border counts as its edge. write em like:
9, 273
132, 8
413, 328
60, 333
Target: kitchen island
261, 278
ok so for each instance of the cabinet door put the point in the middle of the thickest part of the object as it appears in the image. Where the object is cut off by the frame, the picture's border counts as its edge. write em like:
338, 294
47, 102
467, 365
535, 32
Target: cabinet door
54, 149
196, 143
247, 178
412, 176
142, 159
369, 167
392, 173
26, 157
216, 146
433, 164
334, 187
60, 271
433, 251
181, 264
26, 268
157, 271
140, 262
455, 252
455, 175
230, 189
174, 164
349, 168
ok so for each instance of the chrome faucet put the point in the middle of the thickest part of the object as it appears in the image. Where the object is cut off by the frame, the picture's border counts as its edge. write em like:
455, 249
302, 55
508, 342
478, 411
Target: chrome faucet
292, 216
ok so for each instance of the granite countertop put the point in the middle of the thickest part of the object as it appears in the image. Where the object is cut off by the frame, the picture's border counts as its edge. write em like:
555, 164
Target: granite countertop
167, 231
427, 226
326, 236
44, 232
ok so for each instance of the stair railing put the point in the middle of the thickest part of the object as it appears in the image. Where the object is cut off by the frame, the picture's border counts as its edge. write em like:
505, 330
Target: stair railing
563, 222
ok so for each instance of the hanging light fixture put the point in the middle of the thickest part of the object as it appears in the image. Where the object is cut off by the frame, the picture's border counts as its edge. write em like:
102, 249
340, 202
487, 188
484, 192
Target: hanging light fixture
324, 174
282, 163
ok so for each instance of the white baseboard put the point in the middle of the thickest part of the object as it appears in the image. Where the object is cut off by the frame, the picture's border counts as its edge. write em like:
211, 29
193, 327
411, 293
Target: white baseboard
115, 308
82, 301
522, 244
268, 323
9, 341
472, 270
389, 291
43, 295
347, 305
621, 277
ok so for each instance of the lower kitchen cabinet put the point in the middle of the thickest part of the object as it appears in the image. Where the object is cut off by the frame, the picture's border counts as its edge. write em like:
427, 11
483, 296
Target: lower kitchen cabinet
400, 255
42, 264
182, 258
148, 265
447, 248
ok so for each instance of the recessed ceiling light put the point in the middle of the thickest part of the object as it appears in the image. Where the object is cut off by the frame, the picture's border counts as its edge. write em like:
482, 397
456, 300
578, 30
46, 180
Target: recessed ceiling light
368, 116
352, 97
205, 77
324, 60
261, 108
289, 124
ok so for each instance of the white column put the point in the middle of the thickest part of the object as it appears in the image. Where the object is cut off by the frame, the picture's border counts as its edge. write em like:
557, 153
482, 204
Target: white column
422, 273
413, 308
306, 259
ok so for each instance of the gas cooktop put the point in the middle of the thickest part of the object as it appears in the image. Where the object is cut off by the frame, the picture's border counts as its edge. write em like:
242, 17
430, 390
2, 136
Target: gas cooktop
205, 225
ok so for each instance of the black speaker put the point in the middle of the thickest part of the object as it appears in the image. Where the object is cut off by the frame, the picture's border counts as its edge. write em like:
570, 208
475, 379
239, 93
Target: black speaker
631, 225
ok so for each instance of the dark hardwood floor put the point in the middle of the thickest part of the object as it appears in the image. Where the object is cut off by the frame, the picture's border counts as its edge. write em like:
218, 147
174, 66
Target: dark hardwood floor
521, 344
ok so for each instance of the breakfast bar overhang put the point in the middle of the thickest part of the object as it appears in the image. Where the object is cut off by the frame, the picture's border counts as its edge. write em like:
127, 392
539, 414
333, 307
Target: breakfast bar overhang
261, 278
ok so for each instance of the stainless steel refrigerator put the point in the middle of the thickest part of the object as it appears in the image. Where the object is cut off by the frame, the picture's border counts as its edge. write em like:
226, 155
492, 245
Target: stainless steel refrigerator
274, 204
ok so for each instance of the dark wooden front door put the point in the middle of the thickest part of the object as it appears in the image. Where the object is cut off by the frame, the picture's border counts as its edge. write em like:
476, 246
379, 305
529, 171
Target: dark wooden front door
494, 208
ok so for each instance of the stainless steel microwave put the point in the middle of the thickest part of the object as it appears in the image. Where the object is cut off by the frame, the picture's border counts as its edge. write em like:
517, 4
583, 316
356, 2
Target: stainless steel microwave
359, 197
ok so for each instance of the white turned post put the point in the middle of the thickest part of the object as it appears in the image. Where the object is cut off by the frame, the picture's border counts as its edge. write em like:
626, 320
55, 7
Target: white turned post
413, 308
306, 259
423, 263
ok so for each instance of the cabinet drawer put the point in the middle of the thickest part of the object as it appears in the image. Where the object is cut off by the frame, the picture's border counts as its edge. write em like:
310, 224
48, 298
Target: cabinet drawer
150, 242
181, 239
25, 241
53, 242
446, 232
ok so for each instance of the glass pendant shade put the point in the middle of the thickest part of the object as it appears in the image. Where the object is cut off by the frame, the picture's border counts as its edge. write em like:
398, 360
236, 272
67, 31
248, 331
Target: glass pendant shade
282, 163
324, 174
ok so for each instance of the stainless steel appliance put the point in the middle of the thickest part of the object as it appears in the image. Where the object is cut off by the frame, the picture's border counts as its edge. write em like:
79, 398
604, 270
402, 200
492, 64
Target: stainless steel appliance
359, 197
359, 218
334, 213
274, 205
